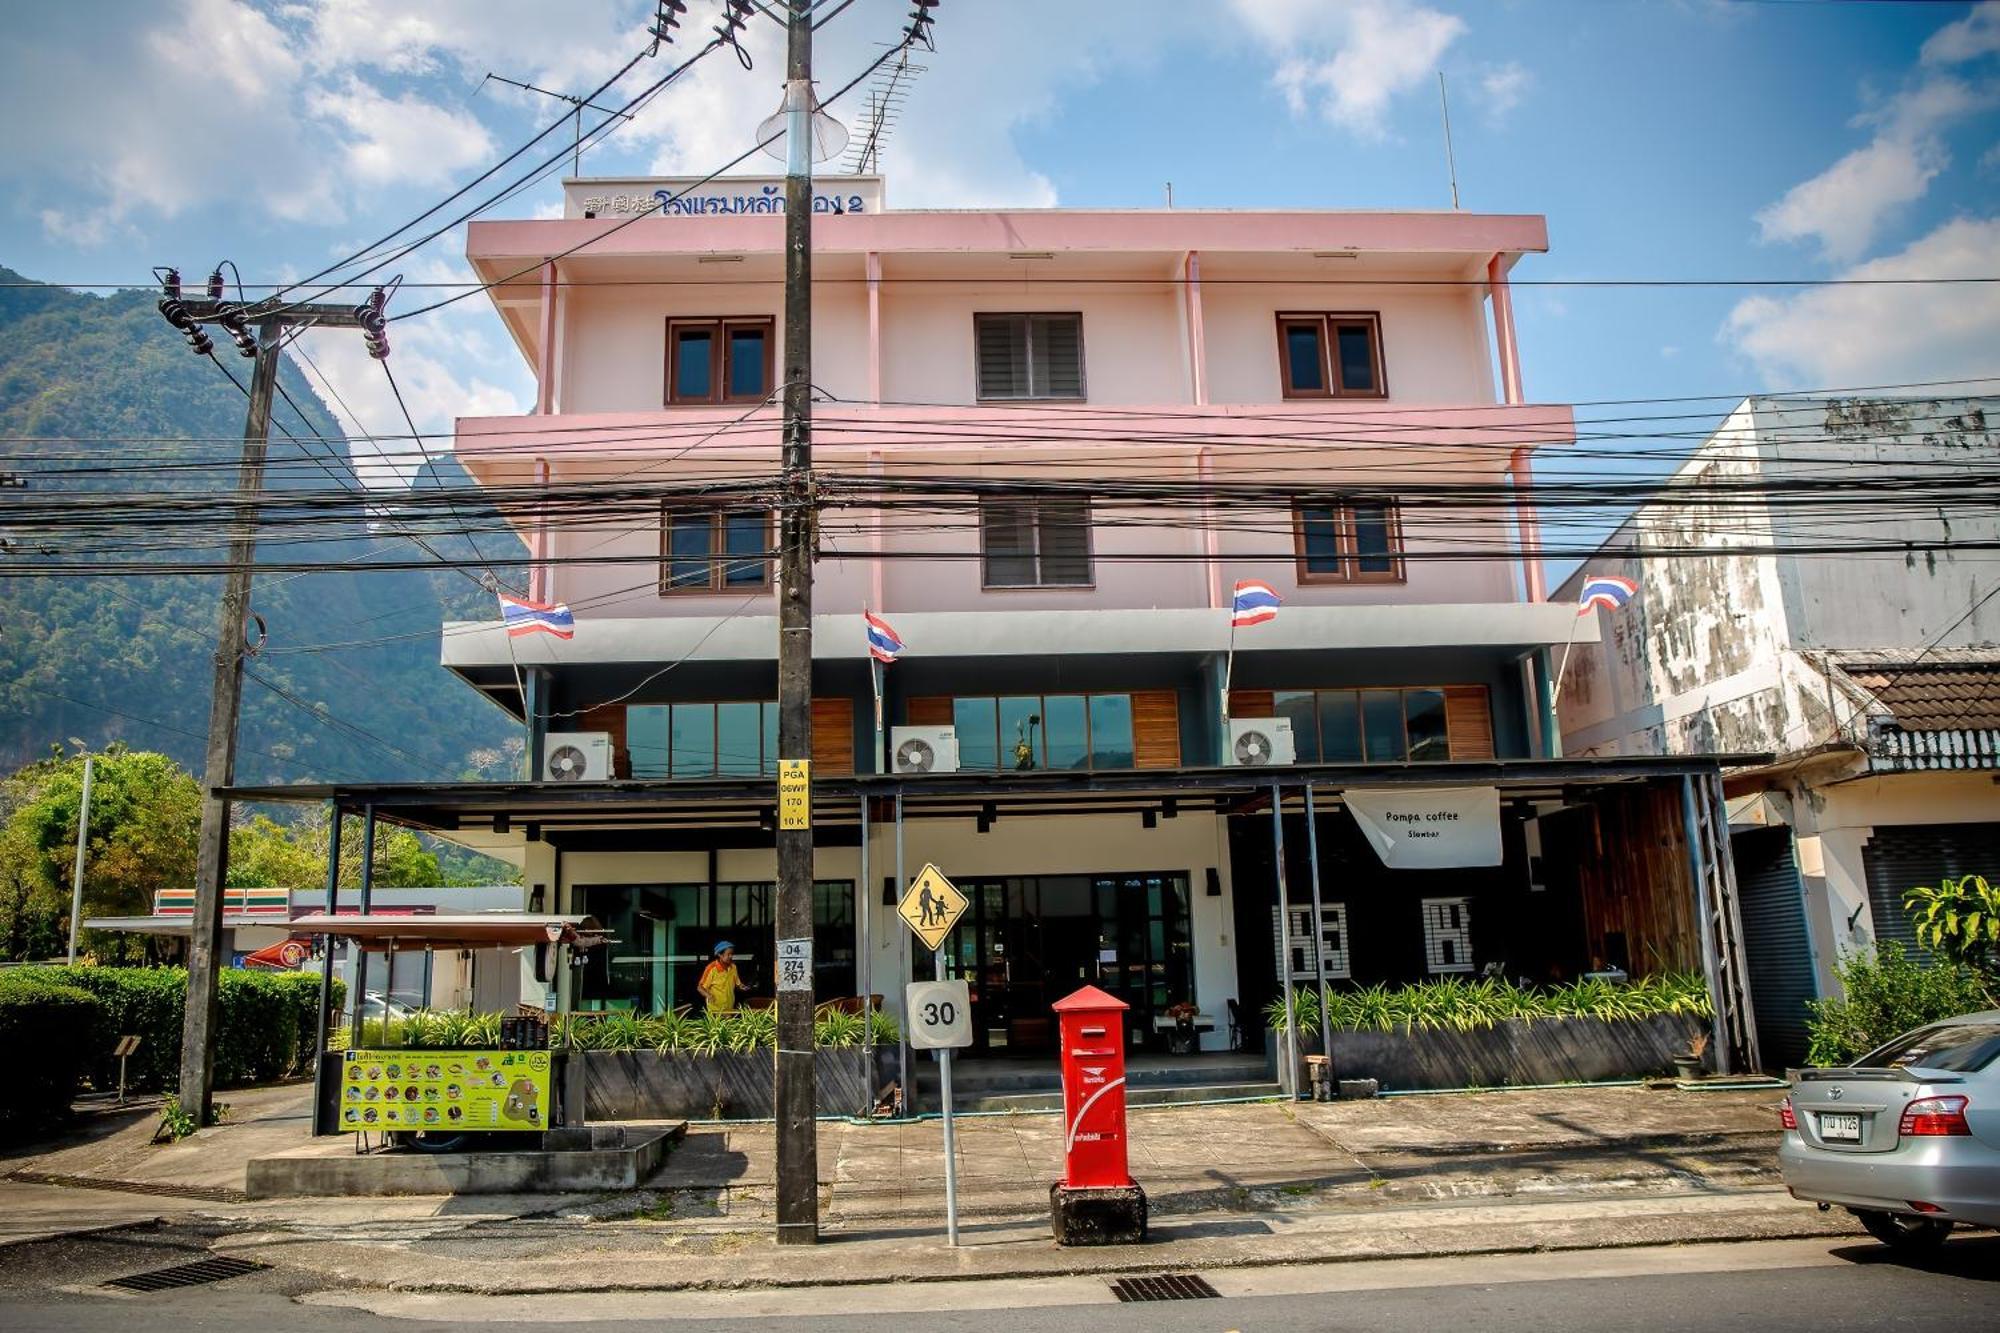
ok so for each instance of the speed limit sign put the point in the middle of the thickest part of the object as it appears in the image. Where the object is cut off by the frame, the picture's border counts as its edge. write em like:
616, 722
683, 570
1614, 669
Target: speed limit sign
940, 1014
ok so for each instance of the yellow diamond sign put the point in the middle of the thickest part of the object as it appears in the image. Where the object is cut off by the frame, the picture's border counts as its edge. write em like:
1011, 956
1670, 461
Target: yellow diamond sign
931, 906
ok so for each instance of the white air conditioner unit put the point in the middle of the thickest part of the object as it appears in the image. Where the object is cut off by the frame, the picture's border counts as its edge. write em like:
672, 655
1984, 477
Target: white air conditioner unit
923, 750
577, 756
1257, 741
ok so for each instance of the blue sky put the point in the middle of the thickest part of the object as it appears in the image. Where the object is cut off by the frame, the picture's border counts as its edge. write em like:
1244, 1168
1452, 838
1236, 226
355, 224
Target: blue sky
1662, 138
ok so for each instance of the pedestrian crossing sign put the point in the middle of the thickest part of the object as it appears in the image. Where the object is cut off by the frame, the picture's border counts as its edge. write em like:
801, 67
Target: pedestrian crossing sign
931, 906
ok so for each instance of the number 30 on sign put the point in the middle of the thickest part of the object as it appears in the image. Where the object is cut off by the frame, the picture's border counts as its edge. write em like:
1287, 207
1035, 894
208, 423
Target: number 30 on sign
940, 1014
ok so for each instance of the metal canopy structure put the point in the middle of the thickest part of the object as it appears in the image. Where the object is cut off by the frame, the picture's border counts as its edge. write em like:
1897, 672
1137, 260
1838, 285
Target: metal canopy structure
547, 810
478, 930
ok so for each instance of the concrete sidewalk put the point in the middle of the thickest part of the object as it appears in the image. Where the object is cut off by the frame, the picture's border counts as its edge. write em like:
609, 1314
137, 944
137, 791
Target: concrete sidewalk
1236, 1184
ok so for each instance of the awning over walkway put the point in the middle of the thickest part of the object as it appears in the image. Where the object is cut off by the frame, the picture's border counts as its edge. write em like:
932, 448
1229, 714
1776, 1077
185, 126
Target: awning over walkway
486, 930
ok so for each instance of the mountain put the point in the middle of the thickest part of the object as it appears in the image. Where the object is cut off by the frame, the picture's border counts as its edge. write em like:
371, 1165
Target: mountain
128, 657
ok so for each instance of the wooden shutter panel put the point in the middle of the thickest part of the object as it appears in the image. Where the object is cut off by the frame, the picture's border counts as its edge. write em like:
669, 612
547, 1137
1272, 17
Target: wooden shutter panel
609, 718
1468, 721
1156, 729
930, 711
833, 737
1057, 351
1252, 703
1002, 352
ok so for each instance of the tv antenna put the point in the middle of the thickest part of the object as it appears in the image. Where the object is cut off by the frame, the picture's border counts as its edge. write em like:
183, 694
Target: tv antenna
576, 151
888, 90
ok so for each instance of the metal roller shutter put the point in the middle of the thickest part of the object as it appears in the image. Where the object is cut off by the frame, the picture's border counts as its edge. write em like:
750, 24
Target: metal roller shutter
1900, 857
1771, 898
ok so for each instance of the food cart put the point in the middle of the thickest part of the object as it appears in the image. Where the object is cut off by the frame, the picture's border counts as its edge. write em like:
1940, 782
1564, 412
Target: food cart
430, 1097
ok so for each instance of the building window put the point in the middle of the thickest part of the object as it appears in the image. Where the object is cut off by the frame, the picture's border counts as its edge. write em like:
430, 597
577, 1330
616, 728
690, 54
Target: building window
1027, 732
719, 360
1303, 964
662, 936
1382, 726
1331, 356
1348, 541
1035, 543
705, 740
1029, 356
714, 550
1447, 935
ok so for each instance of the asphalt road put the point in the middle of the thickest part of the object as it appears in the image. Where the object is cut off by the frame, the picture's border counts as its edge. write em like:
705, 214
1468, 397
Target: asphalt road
1793, 1285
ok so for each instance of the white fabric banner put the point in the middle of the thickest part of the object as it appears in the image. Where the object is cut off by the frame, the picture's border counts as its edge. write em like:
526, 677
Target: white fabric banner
1429, 828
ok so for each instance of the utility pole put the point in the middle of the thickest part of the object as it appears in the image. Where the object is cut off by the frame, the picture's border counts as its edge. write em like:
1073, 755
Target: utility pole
258, 329
793, 1095
82, 841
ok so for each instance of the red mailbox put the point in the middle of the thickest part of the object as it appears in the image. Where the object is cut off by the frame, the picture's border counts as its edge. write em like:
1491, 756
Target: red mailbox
1095, 1203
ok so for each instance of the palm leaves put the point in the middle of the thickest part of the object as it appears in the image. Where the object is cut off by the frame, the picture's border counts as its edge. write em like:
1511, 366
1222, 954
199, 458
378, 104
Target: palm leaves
1453, 1004
1959, 920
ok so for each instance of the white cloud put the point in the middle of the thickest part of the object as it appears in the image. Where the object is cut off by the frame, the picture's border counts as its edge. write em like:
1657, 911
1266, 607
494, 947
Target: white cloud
1847, 205
1829, 337
1503, 87
1349, 60
403, 140
1975, 35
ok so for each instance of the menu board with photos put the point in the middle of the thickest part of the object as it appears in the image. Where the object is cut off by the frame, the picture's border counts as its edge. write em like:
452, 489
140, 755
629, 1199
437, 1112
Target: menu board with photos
446, 1091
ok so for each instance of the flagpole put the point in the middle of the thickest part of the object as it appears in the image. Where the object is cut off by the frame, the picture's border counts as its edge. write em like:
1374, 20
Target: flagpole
1556, 689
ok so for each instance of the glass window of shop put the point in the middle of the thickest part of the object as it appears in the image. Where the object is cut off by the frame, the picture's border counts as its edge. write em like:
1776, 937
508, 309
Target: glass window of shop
662, 935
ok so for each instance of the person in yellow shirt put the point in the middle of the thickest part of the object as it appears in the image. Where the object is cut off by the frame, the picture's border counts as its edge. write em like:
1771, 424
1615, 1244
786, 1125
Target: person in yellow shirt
720, 980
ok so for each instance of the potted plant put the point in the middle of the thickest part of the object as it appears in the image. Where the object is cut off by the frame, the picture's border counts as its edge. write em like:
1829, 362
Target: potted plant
1688, 1063
1183, 1014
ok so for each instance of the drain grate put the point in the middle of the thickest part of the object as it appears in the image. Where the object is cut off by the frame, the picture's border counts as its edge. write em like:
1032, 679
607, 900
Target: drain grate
209, 1193
213, 1269
1166, 1287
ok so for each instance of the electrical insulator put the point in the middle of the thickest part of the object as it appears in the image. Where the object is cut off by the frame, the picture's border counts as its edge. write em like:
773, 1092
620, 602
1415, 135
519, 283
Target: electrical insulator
374, 325
176, 312
215, 285
735, 14
170, 283
239, 332
921, 20
668, 18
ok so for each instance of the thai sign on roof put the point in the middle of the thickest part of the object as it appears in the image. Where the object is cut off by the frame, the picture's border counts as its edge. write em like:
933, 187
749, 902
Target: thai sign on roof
732, 196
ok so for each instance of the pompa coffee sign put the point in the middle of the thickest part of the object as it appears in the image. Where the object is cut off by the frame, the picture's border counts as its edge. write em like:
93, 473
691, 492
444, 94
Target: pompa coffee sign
1429, 828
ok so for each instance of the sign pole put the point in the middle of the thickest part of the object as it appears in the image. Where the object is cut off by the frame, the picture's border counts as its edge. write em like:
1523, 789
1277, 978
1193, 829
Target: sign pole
950, 1138
938, 1013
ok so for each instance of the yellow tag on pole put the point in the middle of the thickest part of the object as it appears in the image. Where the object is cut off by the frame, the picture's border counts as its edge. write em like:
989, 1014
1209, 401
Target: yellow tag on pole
795, 794
931, 906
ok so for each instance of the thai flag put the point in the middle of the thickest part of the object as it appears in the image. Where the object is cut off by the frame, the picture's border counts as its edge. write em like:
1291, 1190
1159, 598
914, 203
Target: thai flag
884, 644
1606, 590
1255, 603
525, 617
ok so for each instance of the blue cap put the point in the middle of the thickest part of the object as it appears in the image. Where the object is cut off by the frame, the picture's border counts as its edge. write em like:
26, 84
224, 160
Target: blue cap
720, 945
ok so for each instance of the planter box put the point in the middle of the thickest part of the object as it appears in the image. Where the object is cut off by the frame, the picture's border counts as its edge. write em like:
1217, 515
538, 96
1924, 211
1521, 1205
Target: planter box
1512, 1053
647, 1085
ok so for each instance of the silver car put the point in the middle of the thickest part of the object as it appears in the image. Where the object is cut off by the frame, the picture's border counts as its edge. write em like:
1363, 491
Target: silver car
1907, 1138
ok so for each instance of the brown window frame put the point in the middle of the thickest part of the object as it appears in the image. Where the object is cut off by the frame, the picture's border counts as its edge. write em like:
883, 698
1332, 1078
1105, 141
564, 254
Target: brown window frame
714, 516
1262, 703
1028, 318
718, 358
1328, 323
1039, 583
1349, 557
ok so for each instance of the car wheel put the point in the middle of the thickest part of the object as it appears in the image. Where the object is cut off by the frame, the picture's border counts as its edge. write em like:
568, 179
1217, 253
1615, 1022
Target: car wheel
1901, 1232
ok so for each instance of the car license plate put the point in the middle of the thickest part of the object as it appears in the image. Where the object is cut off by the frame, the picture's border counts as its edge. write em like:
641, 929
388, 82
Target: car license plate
1846, 1127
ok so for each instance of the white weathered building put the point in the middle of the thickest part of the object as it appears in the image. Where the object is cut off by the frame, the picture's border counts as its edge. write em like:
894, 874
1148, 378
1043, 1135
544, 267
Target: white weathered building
1873, 678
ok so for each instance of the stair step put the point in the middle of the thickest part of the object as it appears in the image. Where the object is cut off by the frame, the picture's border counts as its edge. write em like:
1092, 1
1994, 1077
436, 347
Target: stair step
1139, 1096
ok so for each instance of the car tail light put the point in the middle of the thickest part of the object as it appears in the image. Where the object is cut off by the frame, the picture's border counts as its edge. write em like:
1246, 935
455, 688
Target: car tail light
1923, 1207
1787, 1118
1934, 1116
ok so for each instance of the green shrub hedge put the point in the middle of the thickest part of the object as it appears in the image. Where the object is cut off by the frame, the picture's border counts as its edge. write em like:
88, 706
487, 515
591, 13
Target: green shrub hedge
48, 1032
1884, 994
265, 1024
1457, 1005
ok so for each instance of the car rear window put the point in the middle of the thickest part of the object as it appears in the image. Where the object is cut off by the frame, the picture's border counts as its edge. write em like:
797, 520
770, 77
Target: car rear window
1961, 1048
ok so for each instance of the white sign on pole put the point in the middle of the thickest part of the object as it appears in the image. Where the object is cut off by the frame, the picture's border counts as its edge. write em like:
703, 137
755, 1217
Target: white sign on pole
795, 964
1429, 828
940, 1014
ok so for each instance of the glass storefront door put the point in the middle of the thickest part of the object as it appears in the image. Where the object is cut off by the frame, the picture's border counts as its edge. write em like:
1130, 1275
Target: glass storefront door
1030, 940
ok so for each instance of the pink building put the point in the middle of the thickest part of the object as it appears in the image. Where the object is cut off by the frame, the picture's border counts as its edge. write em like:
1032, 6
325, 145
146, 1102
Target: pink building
1048, 443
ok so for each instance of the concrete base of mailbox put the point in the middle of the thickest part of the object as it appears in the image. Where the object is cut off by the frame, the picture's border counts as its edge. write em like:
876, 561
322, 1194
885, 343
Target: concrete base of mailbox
1106, 1215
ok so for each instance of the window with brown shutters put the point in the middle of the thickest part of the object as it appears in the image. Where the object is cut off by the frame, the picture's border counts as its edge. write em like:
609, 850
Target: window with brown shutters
833, 737
1035, 543
1029, 355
